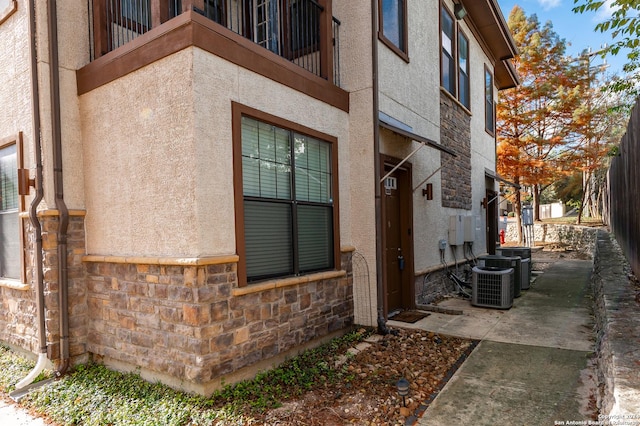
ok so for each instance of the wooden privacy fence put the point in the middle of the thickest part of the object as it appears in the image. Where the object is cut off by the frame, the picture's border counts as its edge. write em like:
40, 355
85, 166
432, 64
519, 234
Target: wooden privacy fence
624, 192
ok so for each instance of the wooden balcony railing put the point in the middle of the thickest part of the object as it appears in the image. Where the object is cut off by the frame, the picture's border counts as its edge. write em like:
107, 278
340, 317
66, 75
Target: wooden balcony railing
301, 31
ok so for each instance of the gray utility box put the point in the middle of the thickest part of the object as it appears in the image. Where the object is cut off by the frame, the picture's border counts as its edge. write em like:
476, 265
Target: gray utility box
523, 253
507, 262
492, 287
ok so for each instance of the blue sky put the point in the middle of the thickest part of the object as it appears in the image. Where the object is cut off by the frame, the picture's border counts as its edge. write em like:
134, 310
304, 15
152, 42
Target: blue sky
576, 29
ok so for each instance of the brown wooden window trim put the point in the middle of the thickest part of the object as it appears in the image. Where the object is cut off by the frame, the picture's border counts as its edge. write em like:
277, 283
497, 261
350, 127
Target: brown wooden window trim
240, 110
401, 51
456, 101
11, 8
17, 140
487, 71
455, 57
454, 54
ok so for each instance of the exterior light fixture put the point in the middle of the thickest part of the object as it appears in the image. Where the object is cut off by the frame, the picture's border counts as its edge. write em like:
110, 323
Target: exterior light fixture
428, 192
403, 389
459, 11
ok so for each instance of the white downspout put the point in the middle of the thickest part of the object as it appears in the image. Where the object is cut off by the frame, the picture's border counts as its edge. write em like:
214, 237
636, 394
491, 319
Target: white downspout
40, 365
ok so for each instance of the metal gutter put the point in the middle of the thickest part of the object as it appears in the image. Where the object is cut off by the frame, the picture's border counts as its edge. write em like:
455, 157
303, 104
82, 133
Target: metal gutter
382, 323
56, 131
35, 222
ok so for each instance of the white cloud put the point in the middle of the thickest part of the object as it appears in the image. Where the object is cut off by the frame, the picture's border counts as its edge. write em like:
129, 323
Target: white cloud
605, 11
549, 4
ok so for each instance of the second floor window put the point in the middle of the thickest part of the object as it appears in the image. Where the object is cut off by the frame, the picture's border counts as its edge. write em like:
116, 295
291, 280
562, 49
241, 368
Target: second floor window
393, 24
489, 106
447, 67
454, 65
463, 70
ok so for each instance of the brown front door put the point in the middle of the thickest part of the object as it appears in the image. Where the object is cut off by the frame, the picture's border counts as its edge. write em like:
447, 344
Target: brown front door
492, 220
398, 241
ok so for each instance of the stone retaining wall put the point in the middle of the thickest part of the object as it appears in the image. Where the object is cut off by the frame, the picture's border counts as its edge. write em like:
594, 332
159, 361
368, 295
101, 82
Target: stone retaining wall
618, 335
573, 237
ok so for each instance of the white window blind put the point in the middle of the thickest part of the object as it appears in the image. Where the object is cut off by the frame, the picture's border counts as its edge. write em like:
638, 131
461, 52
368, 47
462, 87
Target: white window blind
288, 204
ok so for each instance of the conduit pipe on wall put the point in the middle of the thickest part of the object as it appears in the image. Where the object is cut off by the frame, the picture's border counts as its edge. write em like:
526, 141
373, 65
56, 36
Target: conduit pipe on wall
382, 325
56, 133
33, 216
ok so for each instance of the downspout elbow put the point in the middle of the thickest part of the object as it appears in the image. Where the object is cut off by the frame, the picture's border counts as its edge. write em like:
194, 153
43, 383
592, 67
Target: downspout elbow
40, 365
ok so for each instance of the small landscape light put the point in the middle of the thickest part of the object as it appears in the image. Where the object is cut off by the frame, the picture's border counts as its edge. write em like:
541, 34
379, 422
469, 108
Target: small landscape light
403, 389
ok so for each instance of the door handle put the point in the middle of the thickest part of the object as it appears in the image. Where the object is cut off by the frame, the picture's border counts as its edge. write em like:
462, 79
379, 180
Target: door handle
401, 262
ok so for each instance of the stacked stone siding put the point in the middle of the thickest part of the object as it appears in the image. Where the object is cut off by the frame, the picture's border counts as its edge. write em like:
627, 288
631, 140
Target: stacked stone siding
18, 316
18, 325
455, 134
77, 295
193, 323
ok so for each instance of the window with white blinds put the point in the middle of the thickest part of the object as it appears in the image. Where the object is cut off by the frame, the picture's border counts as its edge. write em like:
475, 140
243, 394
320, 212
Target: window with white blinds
9, 221
288, 204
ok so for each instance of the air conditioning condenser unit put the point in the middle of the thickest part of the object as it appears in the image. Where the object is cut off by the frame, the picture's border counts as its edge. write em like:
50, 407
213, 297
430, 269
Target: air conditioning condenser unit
492, 287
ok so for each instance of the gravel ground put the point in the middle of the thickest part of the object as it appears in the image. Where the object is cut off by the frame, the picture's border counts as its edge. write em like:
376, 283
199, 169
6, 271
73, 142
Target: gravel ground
370, 397
427, 360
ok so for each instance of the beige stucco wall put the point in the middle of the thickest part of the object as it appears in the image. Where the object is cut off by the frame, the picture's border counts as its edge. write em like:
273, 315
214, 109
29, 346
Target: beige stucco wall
357, 77
16, 93
73, 53
15, 83
159, 169
410, 93
140, 163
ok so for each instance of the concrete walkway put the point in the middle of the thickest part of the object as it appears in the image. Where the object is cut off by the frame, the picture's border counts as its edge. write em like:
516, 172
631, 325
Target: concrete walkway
532, 366
12, 415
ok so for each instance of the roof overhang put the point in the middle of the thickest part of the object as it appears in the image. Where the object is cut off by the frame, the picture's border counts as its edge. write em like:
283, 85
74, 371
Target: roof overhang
414, 136
488, 19
493, 175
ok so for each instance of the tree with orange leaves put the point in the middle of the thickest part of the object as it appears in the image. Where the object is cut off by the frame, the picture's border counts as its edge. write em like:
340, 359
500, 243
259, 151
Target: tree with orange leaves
598, 123
537, 143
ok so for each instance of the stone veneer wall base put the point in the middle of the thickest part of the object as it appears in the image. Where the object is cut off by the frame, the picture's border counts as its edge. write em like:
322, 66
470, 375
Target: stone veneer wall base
245, 373
187, 323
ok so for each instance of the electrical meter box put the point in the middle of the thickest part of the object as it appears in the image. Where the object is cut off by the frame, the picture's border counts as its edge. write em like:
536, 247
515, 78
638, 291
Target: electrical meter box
456, 230
471, 228
527, 215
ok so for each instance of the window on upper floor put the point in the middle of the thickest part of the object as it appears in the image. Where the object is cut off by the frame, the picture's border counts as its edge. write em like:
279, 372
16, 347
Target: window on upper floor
287, 199
10, 253
463, 70
393, 26
489, 105
448, 66
454, 66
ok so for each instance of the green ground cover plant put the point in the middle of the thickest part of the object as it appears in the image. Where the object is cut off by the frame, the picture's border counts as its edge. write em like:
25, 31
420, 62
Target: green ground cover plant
94, 395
